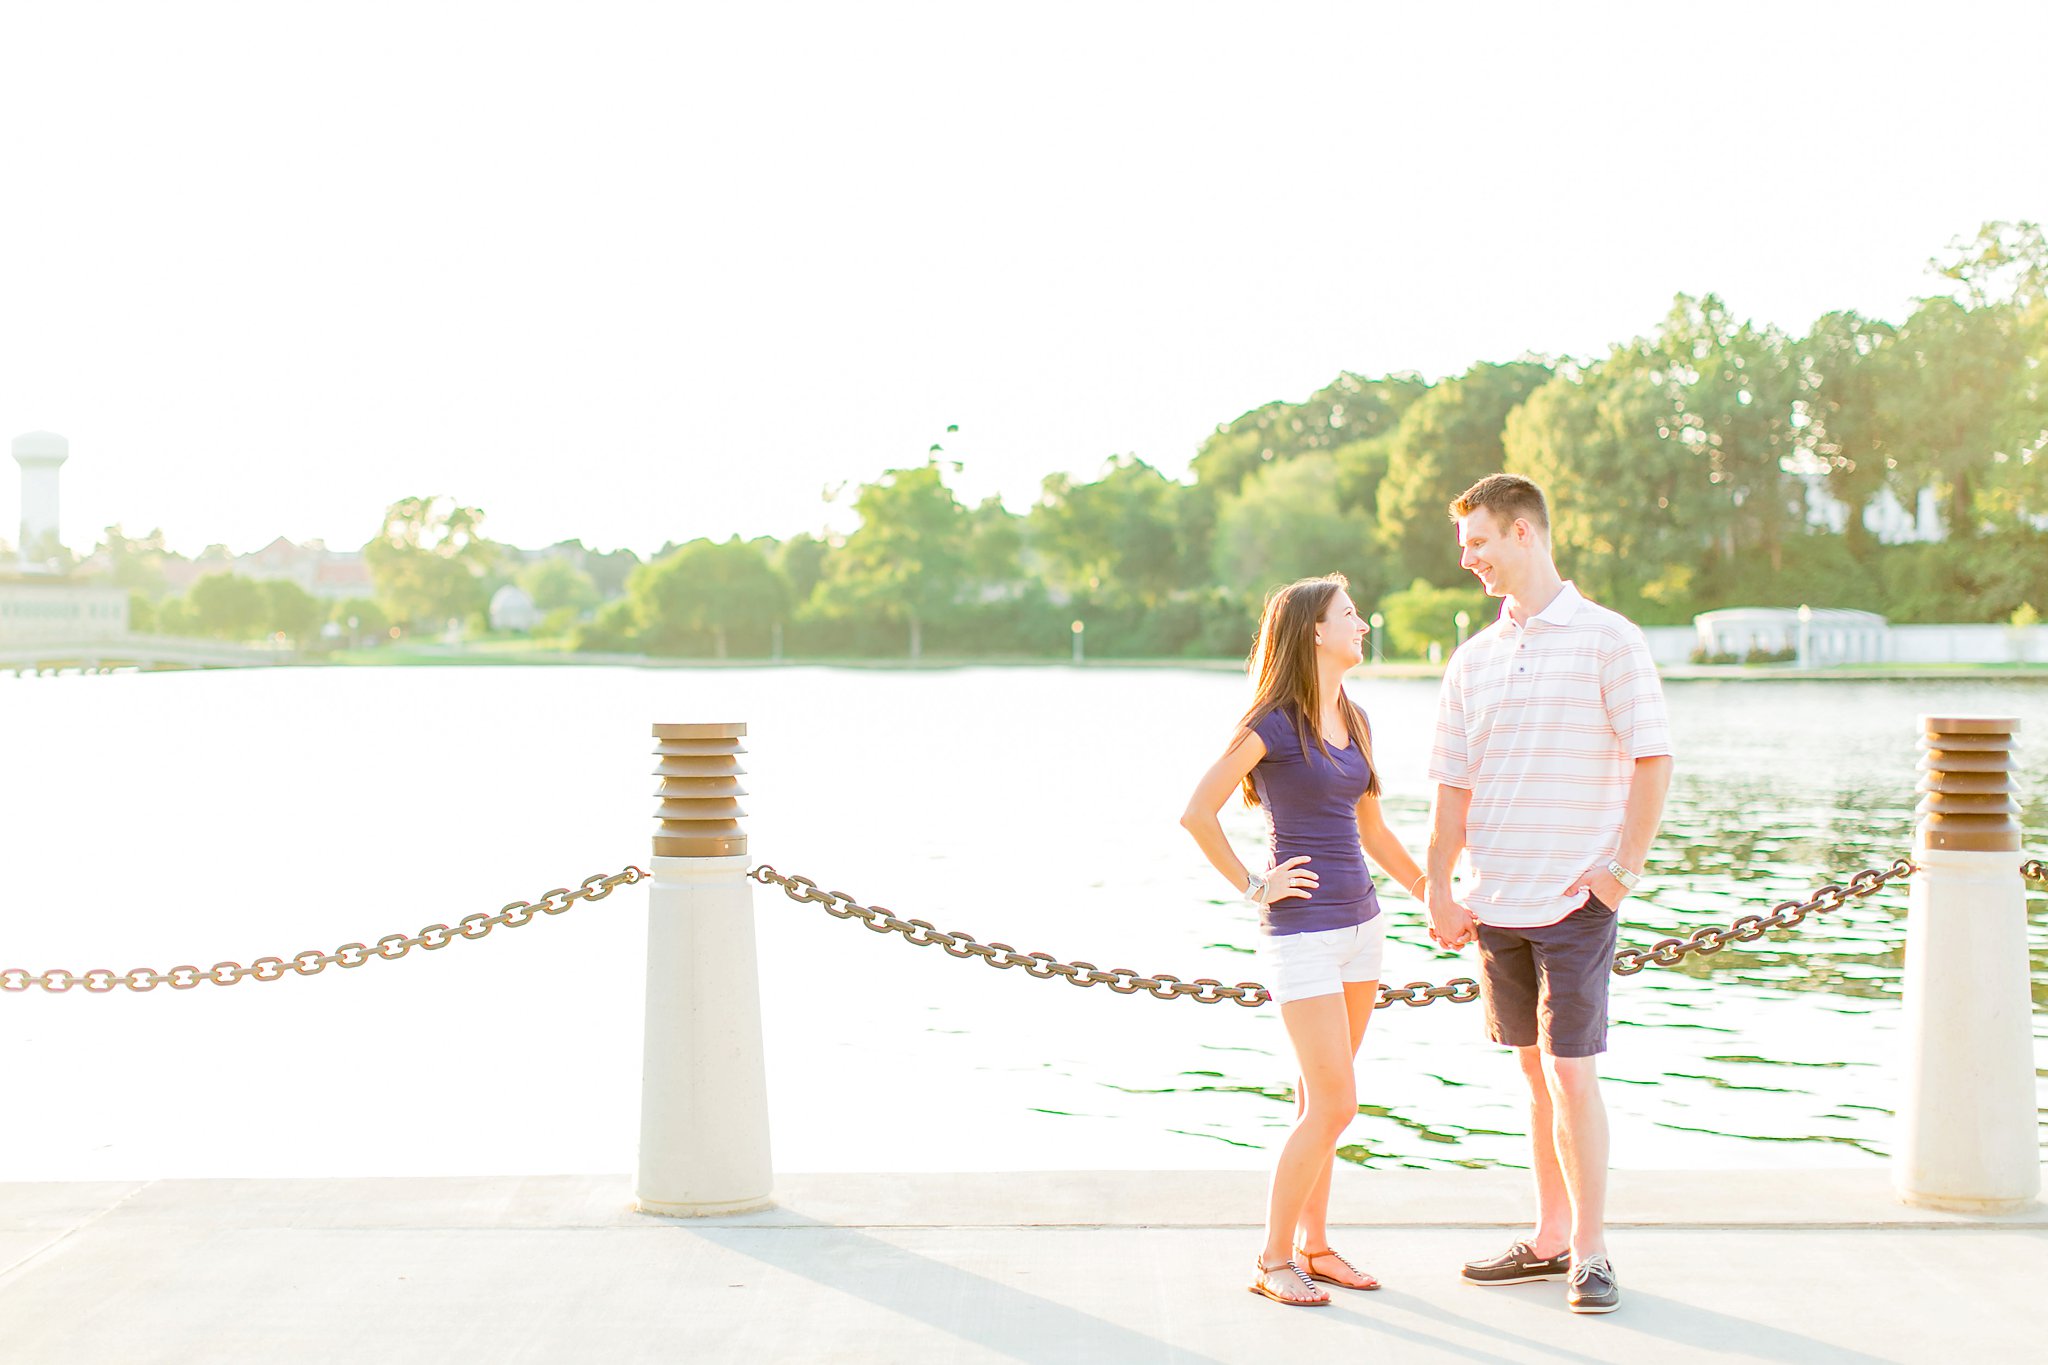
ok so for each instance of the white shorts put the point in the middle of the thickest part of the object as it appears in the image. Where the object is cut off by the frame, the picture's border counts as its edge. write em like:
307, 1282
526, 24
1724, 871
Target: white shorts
1297, 966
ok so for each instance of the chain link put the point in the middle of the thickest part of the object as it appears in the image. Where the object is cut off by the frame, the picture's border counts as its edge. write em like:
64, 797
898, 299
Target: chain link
2034, 870
312, 962
1669, 952
1462, 990
1707, 940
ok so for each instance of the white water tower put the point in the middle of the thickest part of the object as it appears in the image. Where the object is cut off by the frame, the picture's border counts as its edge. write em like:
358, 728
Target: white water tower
40, 454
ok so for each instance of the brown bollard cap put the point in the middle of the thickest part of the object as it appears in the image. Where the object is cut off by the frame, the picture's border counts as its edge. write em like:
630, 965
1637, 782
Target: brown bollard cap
1966, 770
699, 791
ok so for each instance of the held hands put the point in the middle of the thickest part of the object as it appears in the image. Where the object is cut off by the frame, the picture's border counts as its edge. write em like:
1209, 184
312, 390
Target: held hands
1289, 880
1450, 924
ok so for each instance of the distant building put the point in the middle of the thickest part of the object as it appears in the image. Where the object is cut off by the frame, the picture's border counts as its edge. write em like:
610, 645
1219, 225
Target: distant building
46, 609
319, 570
40, 454
512, 609
1831, 635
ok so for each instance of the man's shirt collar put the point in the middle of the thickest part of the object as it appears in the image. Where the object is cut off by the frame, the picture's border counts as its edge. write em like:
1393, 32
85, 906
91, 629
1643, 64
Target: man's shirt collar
1561, 610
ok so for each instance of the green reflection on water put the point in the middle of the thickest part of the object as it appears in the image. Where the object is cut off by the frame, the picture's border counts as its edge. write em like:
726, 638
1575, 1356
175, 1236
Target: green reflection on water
1836, 1139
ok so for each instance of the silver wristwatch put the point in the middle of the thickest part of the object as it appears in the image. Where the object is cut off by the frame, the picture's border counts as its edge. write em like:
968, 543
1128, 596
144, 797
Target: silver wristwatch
1255, 888
1623, 875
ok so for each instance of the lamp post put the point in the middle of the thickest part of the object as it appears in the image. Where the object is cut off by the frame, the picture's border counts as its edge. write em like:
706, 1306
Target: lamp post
1464, 623
1805, 635
1378, 624
1080, 629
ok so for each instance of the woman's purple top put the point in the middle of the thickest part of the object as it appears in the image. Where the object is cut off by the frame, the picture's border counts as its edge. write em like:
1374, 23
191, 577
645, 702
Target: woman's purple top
1311, 805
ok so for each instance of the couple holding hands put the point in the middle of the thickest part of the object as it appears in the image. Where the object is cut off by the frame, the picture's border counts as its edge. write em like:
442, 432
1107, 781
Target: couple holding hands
1551, 761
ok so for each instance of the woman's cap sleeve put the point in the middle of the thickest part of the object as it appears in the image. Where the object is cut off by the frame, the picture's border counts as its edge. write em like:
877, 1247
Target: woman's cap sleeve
1278, 733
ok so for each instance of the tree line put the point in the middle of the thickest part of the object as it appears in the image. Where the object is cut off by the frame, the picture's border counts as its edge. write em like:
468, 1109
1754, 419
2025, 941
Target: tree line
1715, 462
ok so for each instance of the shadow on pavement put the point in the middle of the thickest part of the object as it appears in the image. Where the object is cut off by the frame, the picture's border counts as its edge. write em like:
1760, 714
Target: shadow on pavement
1524, 1349
1737, 1337
989, 1313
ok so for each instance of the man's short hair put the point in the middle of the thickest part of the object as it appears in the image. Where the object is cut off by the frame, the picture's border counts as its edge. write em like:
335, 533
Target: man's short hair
1507, 496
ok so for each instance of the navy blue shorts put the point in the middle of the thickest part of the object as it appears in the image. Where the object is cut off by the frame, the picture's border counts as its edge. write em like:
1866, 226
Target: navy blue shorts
1549, 984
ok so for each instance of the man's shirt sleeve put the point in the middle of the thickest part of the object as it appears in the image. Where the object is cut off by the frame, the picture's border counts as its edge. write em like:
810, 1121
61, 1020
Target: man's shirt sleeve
1634, 696
1450, 761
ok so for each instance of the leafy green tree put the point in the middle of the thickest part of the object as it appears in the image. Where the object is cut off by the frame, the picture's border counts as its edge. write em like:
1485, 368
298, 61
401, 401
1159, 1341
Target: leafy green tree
228, 606
995, 549
708, 588
429, 561
556, 583
1286, 523
2017, 490
1121, 538
1599, 442
1423, 614
614, 629
1963, 364
361, 617
908, 561
1999, 360
1447, 441
1732, 386
2004, 263
1847, 369
1350, 410
290, 610
137, 564
1361, 468
607, 569
801, 559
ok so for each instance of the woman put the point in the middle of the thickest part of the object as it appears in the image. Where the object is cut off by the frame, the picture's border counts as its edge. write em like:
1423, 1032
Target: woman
1303, 752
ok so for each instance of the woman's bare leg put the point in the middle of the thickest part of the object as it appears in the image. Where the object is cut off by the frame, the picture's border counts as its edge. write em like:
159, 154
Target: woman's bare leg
1320, 1029
1312, 1228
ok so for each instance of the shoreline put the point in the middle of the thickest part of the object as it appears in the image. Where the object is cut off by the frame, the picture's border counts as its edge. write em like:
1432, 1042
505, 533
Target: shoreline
460, 657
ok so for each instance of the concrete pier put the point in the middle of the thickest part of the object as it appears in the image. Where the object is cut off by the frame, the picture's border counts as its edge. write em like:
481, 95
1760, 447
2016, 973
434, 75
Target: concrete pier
1805, 1266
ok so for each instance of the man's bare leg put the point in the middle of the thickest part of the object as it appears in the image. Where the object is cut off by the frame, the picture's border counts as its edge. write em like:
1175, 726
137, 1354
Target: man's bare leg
1579, 1126
1553, 1197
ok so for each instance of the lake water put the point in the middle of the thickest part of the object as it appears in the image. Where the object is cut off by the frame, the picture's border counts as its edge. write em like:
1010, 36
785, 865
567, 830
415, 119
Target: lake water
174, 818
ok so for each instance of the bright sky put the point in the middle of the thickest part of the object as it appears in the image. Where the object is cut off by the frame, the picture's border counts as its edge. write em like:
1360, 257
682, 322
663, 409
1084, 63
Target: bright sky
639, 272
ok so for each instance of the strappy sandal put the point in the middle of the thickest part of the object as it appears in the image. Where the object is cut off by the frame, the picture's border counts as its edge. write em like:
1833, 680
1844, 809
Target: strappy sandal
1311, 1257
1258, 1286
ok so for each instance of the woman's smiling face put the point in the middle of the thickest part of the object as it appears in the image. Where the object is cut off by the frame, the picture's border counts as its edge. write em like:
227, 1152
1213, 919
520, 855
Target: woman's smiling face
1341, 632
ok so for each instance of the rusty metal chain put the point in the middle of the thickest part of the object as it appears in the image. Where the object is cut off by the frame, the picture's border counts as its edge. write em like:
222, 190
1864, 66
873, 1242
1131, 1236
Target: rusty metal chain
1709, 939
1122, 980
1209, 991
2034, 870
312, 962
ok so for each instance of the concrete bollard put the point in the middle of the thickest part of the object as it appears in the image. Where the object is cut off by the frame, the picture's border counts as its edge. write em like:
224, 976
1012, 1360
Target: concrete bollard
703, 1085
1967, 1125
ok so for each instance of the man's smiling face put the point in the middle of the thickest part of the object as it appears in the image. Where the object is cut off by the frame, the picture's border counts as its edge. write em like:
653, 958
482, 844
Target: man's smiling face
1492, 553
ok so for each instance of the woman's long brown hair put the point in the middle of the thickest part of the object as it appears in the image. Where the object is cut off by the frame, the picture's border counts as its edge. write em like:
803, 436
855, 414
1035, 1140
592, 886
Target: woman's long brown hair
1283, 660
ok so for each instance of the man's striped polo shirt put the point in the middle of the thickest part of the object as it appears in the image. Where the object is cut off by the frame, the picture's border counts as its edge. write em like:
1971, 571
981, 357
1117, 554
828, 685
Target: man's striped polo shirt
1543, 723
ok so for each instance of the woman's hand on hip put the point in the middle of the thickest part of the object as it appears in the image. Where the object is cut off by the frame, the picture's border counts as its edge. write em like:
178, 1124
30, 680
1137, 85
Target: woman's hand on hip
1289, 880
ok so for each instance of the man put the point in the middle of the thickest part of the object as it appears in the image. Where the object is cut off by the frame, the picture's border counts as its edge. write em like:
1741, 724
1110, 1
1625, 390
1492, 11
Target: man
1552, 759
